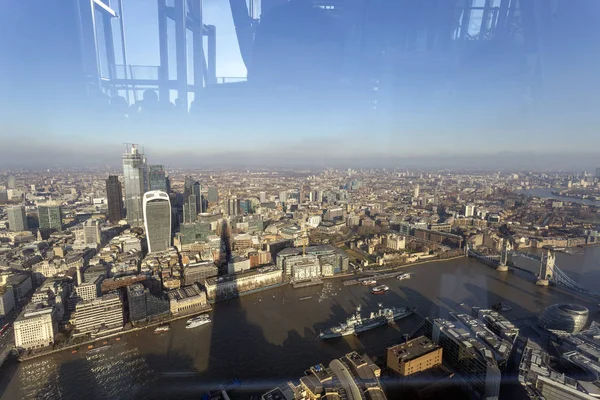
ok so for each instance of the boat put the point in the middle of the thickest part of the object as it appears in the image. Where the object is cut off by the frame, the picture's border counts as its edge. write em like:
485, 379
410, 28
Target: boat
305, 298
380, 289
162, 328
197, 321
368, 282
356, 323
98, 349
502, 307
403, 276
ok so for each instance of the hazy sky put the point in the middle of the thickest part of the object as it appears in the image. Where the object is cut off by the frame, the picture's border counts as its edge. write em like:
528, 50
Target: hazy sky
474, 102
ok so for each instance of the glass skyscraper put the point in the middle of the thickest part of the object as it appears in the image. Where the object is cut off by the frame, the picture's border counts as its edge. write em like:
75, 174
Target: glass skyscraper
134, 180
17, 219
157, 216
49, 218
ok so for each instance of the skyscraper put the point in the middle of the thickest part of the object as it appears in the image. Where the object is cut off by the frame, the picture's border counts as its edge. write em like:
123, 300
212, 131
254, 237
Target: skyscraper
17, 219
213, 195
91, 232
12, 182
196, 191
157, 178
49, 218
134, 179
157, 217
114, 196
189, 209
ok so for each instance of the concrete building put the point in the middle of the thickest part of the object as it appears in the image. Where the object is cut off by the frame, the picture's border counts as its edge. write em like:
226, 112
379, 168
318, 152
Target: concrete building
91, 232
17, 219
35, 327
414, 356
187, 300
157, 220
199, 272
326, 254
21, 284
238, 264
304, 267
234, 285
469, 210
101, 316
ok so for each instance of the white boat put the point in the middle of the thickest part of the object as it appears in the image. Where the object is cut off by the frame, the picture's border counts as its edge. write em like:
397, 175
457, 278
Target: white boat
197, 321
380, 289
403, 276
368, 282
162, 328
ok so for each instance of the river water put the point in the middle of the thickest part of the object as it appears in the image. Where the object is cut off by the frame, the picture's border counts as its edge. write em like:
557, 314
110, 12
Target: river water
268, 338
547, 193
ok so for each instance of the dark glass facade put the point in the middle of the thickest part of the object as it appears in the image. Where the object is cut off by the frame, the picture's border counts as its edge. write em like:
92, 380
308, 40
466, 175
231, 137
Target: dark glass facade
114, 198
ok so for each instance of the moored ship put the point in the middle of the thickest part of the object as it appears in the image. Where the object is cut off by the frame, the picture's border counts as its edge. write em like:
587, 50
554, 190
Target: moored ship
162, 328
197, 321
403, 276
368, 282
356, 323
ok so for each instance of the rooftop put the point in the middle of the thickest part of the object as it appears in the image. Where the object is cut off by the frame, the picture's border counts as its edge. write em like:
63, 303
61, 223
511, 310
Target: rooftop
413, 348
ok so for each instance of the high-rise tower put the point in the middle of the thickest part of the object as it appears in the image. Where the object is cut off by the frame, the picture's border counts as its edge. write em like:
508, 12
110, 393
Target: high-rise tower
157, 217
157, 178
134, 180
17, 219
114, 197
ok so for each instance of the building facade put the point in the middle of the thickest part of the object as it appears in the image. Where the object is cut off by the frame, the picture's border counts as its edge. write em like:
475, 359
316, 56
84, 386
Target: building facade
114, 198
100, 316
35, 328
50, 218
414, 356
157, 178
157, 216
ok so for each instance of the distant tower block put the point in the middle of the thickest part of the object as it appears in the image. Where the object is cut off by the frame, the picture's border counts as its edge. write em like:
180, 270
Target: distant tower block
546, 269
503, 267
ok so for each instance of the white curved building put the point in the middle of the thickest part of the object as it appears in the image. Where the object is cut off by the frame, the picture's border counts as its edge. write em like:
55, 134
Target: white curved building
157, 220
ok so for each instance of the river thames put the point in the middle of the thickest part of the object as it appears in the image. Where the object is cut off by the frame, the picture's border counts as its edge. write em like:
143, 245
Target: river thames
268, 338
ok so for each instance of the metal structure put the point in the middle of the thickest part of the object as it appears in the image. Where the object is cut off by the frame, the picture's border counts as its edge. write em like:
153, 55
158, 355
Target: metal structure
552, 273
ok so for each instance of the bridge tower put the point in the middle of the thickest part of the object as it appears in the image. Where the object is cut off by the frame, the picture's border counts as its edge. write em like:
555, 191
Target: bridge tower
546, 268
503, 266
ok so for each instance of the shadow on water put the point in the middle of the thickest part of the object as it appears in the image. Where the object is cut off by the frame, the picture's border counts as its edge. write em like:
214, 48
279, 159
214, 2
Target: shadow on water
7, 371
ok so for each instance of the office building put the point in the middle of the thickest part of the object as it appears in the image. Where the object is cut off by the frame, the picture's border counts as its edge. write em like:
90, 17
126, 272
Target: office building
35, 327
143, 305
3, 196
50, 218
189, 209
157, 216
238, 264
469, 210
157, 178
570, 318
326, 254
7, 300
349, 377
233, 206
134, 181
414, 356
91, 232
199, 272
416, 192
213, 195
187, 300
12, 182
467, 356
17, 219
197, 192
114, 198
103, 315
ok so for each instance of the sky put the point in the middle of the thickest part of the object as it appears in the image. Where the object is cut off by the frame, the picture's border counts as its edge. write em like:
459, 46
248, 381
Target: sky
328, 95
